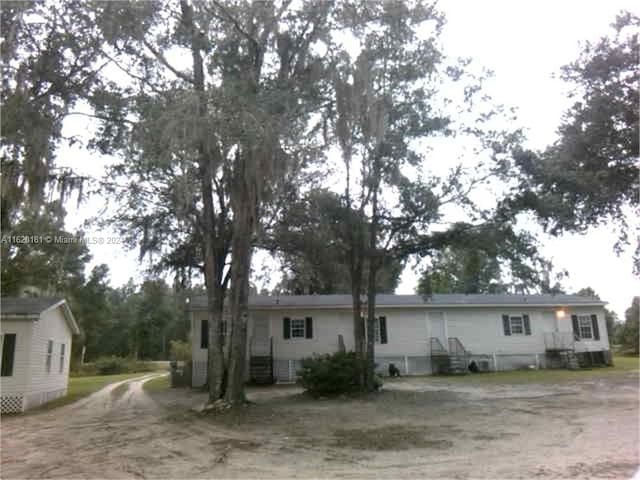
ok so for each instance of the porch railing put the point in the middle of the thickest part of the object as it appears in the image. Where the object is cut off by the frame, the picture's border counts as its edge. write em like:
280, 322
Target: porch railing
559, 341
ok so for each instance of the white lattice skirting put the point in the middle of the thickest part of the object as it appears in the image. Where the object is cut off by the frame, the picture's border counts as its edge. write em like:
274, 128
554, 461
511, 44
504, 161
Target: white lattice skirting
11, 404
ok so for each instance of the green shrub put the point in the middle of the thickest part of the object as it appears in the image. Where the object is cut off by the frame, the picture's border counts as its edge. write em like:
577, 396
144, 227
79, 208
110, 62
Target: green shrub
180, 351
84, 370
331, 374
111, 365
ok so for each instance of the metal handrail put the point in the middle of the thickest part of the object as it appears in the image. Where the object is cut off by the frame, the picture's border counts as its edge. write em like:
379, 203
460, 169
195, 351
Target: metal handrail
439, 348
455, 346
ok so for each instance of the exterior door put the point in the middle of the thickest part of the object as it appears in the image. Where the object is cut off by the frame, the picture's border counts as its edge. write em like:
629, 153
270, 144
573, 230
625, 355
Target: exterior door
260, 344
438, 327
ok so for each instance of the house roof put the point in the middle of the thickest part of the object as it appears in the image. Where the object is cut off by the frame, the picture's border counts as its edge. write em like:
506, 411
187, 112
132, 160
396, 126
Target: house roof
410, 301
29, 308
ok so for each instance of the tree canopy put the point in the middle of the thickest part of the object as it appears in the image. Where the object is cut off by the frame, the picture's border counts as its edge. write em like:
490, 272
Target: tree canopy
589, 176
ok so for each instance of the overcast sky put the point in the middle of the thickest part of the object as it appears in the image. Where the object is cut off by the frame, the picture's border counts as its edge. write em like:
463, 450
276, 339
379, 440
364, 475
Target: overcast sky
525, 44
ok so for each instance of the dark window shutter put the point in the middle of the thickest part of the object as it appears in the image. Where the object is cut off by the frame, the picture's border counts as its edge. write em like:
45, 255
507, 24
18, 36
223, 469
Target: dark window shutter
576, 329
308, 327
383, 329
286, 327
527, 324
596, 330
8, 353
204, 334
505, 324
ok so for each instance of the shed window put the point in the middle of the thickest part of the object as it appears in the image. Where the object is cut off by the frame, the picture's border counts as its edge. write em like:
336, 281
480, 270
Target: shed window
8, 354
584, 323
49, 355
62, 352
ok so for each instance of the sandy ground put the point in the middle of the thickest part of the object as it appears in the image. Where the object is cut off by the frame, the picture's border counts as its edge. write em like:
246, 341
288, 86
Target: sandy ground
422, 428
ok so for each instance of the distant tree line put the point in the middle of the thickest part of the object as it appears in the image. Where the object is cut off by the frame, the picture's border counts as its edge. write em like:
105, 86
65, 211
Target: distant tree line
135, 321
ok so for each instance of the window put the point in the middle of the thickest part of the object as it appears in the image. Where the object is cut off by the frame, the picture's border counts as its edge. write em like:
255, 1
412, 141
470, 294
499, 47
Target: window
62, 351
584, 324
204, 333
297, 327
517, 326
49, 355
8, 354
380, 329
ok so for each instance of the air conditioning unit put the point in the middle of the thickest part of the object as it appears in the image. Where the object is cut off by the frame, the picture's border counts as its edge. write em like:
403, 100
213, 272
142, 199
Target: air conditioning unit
483, 365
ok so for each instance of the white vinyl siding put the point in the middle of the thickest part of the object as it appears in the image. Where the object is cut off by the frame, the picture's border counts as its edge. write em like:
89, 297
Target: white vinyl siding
46, 385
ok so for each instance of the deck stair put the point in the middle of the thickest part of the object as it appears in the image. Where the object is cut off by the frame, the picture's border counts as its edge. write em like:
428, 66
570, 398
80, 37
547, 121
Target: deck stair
451, 360
261, 364
560, 350
571, 360
458, 356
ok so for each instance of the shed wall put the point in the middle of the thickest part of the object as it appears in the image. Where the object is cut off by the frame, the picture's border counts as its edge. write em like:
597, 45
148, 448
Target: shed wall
45, 386
13, 389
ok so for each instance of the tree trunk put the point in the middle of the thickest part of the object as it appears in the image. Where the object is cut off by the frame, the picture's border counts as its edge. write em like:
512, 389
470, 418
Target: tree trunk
244, 202
371, 323
355, 270
215, 295
372, 255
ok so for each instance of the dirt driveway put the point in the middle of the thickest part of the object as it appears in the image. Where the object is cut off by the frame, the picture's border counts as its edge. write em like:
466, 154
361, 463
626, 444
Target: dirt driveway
422, 428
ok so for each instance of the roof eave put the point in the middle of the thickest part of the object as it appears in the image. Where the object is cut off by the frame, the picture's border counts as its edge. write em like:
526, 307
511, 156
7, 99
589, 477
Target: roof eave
414, 306
68, 315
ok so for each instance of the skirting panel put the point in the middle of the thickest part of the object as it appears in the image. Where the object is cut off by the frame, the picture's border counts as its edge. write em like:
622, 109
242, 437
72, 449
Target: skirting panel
11, 404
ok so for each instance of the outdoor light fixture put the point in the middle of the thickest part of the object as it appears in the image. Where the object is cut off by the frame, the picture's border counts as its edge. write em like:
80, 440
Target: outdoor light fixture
560, 314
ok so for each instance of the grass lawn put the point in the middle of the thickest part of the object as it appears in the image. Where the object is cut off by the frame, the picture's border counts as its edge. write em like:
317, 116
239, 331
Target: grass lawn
157, 384
80, 387
622, 364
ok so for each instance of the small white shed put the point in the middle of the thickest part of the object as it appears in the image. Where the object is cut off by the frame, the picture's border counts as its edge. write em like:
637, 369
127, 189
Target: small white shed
35, 351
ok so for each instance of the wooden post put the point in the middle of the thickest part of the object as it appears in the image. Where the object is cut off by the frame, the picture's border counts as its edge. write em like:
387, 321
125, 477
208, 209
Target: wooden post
406, 365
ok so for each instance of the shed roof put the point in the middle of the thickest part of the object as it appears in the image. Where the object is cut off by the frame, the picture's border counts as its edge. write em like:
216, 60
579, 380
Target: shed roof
412, 301
29, 307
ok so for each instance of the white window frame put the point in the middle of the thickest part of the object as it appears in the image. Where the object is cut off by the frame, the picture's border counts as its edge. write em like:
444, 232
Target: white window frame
295, 326
63, 349
585, 324
521, 327
49, 356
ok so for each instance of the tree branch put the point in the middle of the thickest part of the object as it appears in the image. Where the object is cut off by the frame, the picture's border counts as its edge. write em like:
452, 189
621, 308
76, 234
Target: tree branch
158, 54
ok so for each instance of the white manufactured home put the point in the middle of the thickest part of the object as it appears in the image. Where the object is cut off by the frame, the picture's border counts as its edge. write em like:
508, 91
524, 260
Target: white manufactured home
35, 338
439, 334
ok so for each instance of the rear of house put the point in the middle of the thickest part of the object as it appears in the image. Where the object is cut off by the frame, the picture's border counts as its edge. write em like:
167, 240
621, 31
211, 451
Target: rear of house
444, 333
36, 335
